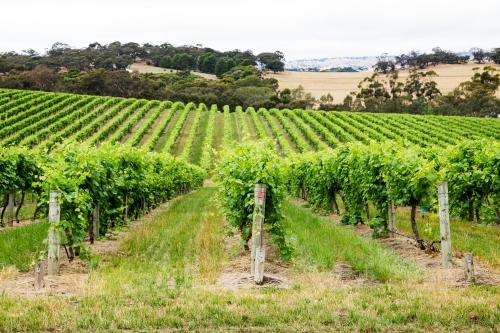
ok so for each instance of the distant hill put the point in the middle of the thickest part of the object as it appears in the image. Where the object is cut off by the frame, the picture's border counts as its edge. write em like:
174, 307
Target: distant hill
341, 64
332, 64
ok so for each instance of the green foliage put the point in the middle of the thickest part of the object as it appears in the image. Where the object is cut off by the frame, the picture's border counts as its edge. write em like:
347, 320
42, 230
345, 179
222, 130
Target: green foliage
207, 62
166, 62
251, 95
374, 173
206, 157
19, 169
272, 61
20, 246
113, 176
474, 180
186, 152
240, 168
420, 95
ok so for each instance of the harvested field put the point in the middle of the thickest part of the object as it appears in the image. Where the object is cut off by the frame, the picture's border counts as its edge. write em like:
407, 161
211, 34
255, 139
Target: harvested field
341, 84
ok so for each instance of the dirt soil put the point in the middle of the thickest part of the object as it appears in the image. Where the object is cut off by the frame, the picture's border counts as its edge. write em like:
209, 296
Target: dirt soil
277, 273
22, 223
429, 263
236, 273
341, 84
73, 276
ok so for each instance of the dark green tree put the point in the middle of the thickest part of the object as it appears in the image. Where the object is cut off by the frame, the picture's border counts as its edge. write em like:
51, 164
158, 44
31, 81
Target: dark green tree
272, 61
495, 55
166, 62
221, 67
478, 55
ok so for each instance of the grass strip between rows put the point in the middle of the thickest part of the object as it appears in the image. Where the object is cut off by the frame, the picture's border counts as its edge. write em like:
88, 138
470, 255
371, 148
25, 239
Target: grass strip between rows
20, 246
322, 243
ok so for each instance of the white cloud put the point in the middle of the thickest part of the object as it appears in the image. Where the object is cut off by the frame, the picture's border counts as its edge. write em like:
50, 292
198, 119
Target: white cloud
309, 29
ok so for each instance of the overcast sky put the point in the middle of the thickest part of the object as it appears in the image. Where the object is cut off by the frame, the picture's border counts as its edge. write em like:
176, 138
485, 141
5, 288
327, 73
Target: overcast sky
301, 30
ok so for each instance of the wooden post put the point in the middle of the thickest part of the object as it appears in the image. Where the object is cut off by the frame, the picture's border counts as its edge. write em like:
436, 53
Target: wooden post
367, 211
392, 218
469, 267
39, 272
90, 227
95, 225
125, 211
444, 221
10, 208
54, 243
258, 221
260, 258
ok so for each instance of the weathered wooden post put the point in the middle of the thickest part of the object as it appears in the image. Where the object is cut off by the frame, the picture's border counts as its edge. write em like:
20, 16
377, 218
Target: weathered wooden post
469, 267
392, 218
95, 225
125, 211
10, 208
444, 221
54, 242
39, 272
258, 253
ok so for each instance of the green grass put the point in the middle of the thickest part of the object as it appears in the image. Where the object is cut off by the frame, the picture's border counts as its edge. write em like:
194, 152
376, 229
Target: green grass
482, 241
198, 143
20, 246
166, 133
27, 210
167, 245
218, 131
323, 243
161, 280
234, 128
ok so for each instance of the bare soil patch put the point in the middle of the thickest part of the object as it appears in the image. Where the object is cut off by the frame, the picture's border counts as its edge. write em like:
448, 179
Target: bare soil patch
280, 274
236, 273
22, 223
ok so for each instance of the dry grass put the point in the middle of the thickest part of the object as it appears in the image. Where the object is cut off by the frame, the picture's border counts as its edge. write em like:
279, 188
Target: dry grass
141, 67
209, 259
341, 84
8, 272
160, 281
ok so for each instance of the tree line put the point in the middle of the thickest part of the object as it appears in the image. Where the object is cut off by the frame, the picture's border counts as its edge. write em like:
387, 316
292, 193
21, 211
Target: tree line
101, 70
118, 56
416, 59
243, 85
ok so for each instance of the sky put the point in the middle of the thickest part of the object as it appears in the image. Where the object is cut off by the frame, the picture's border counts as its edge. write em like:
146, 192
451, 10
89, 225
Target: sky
301, 30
